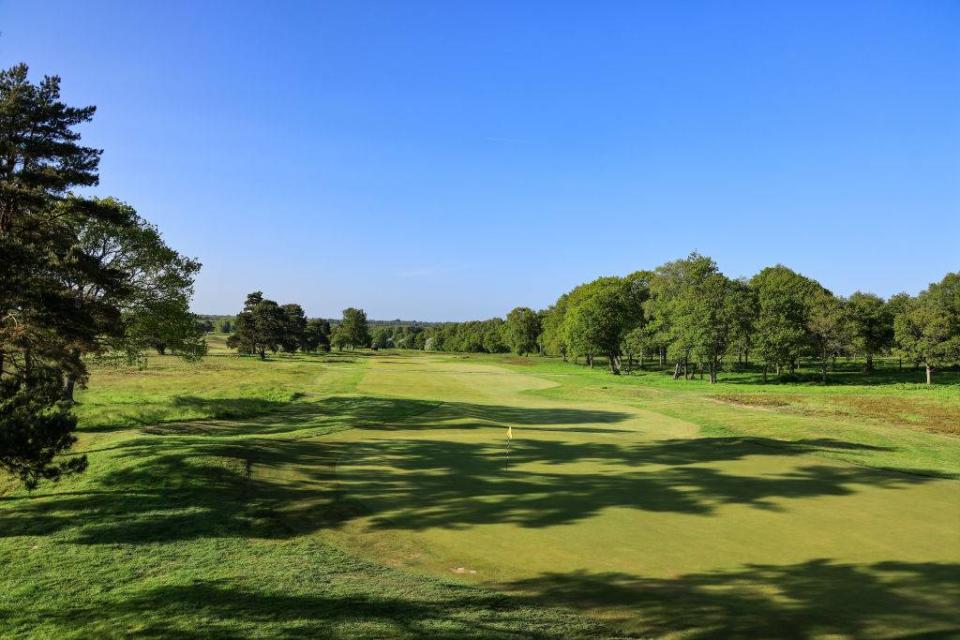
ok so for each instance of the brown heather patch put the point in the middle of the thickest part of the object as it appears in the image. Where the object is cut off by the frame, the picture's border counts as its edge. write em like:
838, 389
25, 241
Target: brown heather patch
909, 412
938, 418
527, 362
762, 400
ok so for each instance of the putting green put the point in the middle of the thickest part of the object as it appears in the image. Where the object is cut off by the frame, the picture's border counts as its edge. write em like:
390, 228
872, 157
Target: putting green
623, 512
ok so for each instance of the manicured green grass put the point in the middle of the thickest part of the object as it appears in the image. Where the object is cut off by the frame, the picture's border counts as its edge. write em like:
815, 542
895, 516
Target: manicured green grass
362, 495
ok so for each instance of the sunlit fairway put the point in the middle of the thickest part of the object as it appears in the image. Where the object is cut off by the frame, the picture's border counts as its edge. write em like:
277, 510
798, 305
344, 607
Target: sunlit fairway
374, 495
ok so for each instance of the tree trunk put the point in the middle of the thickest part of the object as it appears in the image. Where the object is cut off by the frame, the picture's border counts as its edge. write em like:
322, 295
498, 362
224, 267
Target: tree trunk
676, 371
929, 371
713, 371
263, 354
614, 363
869, 367
630, 363
765, 367
68, 388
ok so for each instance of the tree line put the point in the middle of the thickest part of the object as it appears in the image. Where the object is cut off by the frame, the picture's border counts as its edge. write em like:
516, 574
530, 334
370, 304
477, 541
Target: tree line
79, 277
690, 315
263, 325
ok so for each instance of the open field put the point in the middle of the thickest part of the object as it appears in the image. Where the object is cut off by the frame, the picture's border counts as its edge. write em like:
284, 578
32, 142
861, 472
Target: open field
373, 495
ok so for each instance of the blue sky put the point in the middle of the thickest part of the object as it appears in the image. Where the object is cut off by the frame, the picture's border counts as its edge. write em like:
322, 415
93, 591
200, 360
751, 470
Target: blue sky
438, 160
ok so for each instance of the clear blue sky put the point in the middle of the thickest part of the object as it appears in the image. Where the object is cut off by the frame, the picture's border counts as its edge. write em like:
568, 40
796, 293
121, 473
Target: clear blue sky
451, 160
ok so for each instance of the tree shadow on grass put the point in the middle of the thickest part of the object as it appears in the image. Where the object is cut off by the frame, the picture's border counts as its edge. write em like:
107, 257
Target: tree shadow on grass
272, 477
817, 598
223, 609
425, 484
157, 419
248, 416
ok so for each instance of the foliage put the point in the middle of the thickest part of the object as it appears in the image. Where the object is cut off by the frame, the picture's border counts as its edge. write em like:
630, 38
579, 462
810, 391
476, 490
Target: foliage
353, 330
782, 298
35, 427
316, 335
599, 314
259, 327
870, 324
553, 338
928, 330
828, 326
294, 328
521, 330
157, 282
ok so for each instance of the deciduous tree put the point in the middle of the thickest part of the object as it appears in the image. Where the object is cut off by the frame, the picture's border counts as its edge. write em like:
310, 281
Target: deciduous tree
353, 329
929, 329
521, 330
870, 324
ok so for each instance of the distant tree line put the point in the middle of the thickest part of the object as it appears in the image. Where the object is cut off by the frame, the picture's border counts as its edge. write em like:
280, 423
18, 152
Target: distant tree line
79, 278
688, 314
263, 325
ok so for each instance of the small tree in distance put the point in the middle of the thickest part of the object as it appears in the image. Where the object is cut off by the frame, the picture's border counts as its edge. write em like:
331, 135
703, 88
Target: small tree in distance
521, 330
294, 326
259, 327
353, 330
316, 336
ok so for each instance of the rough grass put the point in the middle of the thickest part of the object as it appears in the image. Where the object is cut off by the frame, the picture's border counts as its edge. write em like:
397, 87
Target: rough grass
360, 496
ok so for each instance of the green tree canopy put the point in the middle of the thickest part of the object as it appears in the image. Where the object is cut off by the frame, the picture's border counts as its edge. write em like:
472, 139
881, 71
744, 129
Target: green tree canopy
353, 330
870, 324
294, 326
46, 324
782, 297
828, 324
928, 330
521, 330
259, 327
600, 314
316, 336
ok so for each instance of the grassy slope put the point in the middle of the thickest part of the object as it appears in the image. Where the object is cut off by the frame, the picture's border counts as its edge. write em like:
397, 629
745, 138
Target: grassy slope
620, 509
218, 527
213, 506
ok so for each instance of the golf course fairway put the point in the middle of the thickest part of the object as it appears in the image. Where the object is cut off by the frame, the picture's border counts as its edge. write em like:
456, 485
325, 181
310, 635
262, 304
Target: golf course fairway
635, 516
379, 495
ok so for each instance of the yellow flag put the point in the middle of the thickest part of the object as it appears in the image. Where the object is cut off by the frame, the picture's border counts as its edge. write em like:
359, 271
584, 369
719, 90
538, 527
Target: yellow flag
510, 432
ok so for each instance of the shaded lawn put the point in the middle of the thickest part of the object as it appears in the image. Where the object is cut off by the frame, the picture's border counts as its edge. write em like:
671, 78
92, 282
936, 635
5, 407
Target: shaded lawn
234, 526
